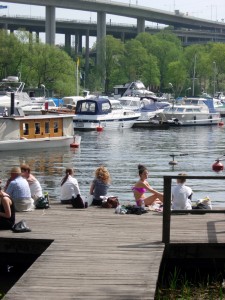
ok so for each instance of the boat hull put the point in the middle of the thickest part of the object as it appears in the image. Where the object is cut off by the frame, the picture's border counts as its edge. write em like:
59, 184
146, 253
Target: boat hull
84, 125
41, 143
190, 120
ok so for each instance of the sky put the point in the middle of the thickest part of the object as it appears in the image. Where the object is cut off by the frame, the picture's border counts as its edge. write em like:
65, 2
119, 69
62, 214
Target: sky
207, 9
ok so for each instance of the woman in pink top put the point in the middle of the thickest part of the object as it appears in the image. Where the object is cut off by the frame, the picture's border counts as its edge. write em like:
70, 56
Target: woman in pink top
142, 186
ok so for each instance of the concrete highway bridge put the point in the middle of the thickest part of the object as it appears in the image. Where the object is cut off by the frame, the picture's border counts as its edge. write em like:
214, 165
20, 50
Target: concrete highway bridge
80, 28
189, 29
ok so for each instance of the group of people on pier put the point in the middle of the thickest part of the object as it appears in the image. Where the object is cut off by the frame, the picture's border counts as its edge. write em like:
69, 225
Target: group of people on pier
22, 189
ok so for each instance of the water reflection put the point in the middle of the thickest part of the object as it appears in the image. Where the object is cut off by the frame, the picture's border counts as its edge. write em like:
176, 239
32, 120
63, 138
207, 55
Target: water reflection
121, 152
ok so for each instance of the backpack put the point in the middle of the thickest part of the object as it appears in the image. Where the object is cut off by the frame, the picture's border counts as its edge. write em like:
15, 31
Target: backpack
42, 202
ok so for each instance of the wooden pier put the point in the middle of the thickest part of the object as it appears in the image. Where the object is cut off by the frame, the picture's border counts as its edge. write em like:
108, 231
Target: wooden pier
96, 254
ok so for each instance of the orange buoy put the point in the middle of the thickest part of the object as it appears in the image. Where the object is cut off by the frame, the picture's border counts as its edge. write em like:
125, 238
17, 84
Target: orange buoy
221, 123
99, 128
217, 166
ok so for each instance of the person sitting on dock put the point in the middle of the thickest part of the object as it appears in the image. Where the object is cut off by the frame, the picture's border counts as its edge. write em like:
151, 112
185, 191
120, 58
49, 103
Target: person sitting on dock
34, 184
181, 194
142, 186
100, 185
69, 187
19, 191
7, 211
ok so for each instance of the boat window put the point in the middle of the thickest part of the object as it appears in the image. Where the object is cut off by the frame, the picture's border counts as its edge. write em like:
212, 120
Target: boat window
37, 127
25, 129
105, 107
116, 105
167, 109
180, 109
189, 110
196, 110
47, 127
86, 106
56, 127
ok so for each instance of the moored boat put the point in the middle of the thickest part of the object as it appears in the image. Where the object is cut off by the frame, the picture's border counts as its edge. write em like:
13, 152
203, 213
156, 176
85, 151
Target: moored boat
34, 132
191, 112
97, 112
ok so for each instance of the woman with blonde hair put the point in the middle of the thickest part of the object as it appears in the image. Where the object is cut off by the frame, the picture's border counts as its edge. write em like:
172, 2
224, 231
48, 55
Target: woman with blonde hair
100, 185
69, 187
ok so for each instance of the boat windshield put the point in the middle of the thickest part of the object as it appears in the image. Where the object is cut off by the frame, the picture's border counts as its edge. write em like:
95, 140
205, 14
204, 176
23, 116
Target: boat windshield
191, 102
116, 105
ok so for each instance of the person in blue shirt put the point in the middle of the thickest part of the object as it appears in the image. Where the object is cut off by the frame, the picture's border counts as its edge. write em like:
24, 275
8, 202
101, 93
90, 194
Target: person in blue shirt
19, 191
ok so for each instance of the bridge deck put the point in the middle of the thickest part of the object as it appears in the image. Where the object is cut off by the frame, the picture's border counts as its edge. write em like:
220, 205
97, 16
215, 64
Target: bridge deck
96, 254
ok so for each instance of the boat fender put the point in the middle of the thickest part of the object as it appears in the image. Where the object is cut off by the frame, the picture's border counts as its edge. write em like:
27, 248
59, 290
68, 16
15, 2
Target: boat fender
221, 123
217, 166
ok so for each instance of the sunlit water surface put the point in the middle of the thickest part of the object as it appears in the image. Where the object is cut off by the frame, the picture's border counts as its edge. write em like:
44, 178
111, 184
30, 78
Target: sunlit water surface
121, 152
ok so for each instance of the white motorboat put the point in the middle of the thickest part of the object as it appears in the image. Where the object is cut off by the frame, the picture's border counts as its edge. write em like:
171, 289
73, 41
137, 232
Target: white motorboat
134, 89
102, 113
191, 111
36, 106
31, 132
149, 107
10, 85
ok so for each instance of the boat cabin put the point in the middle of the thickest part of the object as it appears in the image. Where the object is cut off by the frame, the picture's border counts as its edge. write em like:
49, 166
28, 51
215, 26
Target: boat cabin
135, 88
94, 106
36, 127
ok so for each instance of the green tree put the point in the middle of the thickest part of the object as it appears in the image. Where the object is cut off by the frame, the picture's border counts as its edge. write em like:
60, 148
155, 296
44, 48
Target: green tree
12, 52
177, 75
114, 54
136, 59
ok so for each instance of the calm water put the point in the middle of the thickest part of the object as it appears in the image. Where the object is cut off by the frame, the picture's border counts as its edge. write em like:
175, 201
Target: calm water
122, 151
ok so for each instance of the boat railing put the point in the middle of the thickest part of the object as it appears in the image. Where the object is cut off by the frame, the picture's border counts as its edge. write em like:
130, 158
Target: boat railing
167, 204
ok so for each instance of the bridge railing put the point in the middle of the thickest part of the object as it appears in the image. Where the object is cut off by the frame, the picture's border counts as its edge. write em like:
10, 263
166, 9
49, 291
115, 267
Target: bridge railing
167, 203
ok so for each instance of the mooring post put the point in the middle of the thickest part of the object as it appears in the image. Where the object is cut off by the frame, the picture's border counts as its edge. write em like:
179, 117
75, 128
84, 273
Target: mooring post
166, 210
12, 107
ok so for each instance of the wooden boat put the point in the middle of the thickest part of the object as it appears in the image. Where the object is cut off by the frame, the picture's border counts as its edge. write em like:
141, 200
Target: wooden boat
34, 132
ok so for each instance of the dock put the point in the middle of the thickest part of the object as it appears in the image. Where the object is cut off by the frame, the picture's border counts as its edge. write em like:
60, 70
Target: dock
96, 254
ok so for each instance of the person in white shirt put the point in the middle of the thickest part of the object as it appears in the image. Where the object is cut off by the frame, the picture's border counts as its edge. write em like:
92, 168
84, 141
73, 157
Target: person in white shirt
34, 184
181, 194
69, 187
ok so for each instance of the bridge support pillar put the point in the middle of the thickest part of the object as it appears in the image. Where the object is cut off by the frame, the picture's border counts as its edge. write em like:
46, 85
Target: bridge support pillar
68, 42
123, 37
50, 27
37, 36
87, 52
80, 43
140, 25
101, 48
76, 43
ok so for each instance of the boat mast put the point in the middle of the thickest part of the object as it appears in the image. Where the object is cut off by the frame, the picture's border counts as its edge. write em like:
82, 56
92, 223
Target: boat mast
193, 79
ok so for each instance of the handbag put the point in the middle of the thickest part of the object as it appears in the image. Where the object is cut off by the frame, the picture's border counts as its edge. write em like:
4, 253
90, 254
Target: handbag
21, 226
77, 202
42, 202
111, 202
